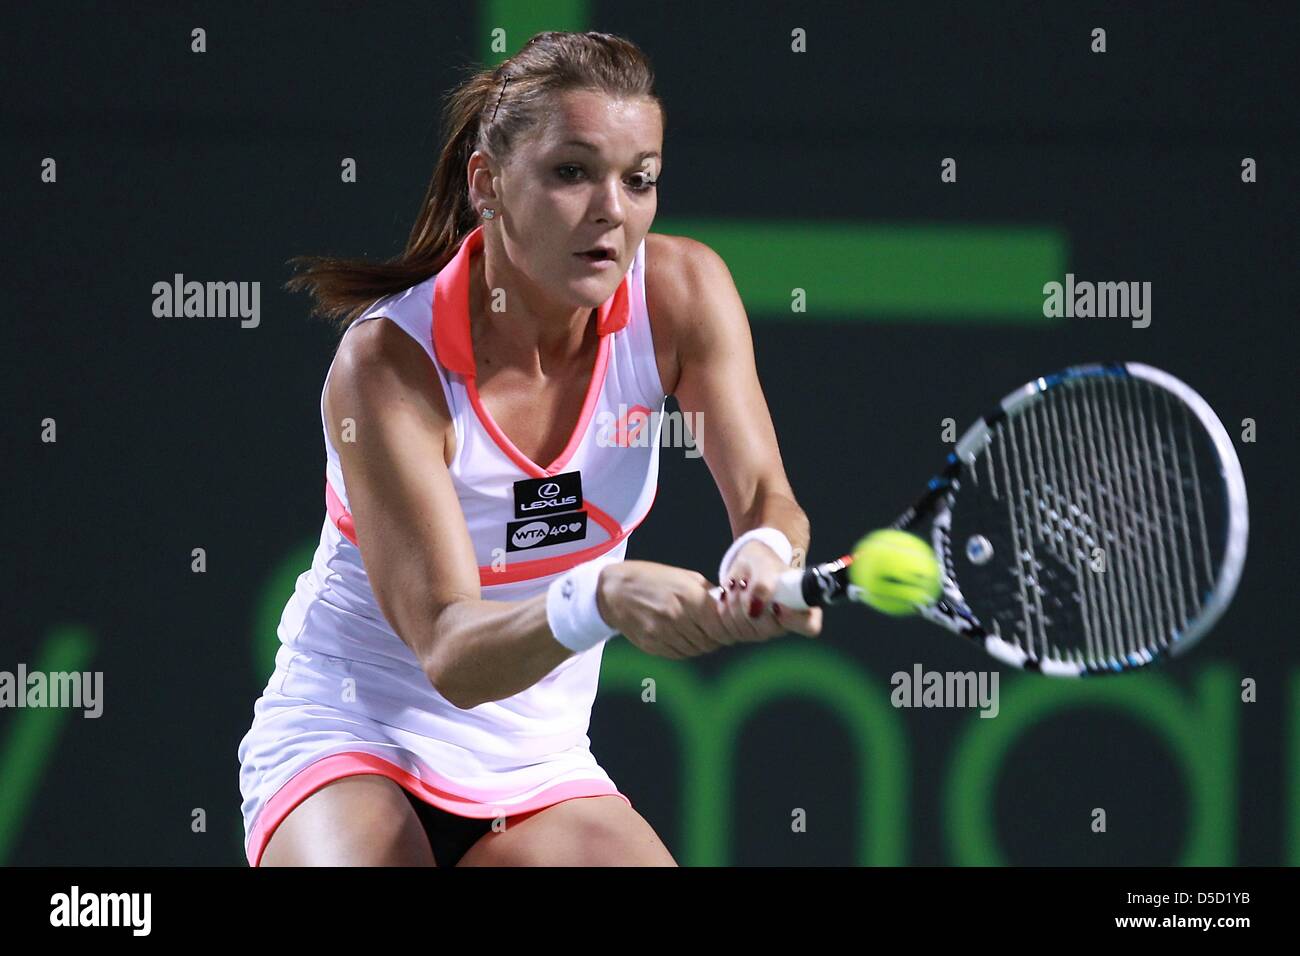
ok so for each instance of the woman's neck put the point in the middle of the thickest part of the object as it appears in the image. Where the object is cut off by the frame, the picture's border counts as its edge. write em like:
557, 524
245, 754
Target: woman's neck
528, 334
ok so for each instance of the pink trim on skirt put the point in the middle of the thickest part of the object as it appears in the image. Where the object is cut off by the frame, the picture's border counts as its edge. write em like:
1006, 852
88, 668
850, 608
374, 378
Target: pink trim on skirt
337, 766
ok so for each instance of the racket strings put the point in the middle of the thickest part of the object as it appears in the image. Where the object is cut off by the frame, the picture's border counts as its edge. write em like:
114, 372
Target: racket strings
1169, 602
1179, 485
1161, 620
1121, 557
1069, 523
1106, 552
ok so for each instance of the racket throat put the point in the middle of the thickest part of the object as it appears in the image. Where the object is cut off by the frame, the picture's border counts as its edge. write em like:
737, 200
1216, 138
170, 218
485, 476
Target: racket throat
829, 584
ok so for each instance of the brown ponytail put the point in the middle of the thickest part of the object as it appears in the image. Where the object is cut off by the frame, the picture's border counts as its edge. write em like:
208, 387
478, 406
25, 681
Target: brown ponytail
488, 112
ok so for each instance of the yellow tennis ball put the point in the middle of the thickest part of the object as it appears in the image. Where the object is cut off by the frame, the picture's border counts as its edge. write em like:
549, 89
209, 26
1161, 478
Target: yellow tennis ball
897, 571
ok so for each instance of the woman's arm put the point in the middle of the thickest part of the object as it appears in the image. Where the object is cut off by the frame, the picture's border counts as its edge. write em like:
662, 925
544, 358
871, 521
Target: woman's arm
690, 285
414, 542
419, 556
693, 291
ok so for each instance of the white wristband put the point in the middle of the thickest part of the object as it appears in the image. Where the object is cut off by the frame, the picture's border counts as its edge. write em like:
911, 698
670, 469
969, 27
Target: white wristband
571, 608
773, 538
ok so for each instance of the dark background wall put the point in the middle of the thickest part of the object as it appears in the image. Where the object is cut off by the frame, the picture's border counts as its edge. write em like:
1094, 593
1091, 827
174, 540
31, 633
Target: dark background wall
175, 434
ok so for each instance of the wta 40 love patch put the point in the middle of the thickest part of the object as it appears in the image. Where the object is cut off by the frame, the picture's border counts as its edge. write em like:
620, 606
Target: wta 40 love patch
550, 529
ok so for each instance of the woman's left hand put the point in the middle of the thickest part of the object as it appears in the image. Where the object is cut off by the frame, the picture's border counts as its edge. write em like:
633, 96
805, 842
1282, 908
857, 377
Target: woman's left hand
747, 592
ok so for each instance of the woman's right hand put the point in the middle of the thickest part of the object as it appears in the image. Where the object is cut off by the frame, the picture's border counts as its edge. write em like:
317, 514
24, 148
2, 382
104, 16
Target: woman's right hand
667, 611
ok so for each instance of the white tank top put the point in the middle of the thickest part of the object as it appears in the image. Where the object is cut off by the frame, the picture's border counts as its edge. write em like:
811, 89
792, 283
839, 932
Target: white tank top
528, 525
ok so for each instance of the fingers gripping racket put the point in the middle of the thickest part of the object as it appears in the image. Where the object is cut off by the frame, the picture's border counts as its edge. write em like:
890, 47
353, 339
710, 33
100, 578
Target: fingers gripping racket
1093, 522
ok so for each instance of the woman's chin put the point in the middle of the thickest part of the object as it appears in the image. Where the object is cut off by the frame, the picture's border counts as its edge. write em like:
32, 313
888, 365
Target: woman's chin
593, 290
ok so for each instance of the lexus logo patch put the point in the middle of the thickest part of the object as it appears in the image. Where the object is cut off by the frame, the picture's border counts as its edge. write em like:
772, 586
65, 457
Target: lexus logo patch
535, 497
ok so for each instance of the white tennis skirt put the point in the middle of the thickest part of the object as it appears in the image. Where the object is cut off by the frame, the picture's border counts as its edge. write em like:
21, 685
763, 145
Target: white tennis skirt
303, 738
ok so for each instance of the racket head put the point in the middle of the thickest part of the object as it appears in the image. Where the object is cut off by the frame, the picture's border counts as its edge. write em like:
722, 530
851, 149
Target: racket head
1096, 520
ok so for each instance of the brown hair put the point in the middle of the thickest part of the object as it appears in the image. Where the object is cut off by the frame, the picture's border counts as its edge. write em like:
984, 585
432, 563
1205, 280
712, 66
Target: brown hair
489, 111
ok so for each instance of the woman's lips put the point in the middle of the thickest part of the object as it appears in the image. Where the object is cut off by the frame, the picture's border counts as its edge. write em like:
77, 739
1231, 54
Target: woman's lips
607, 261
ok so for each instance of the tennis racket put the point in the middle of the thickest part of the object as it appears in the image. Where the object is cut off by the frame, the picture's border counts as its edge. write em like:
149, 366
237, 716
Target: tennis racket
1094, 522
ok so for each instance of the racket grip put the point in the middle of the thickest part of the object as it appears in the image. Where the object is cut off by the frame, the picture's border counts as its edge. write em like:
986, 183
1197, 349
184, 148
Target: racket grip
788, 593
789, 589
802, 588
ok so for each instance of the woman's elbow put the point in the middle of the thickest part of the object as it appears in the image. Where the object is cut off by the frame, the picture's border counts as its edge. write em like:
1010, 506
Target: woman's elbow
443, 678
429, 643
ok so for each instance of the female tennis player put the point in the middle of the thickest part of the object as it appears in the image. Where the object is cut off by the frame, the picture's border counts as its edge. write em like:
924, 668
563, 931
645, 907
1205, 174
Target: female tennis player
439, 660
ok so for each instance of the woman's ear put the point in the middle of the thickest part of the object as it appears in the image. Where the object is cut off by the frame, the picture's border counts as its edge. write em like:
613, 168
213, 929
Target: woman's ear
482, 179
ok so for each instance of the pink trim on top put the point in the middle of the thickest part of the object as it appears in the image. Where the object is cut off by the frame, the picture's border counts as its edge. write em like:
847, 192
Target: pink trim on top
453, 345
338, 512
516, 570
575, 439
351, 763
451, 331
541, 567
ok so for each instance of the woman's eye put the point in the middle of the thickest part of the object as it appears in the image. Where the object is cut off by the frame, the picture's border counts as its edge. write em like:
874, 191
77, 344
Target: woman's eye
571, 173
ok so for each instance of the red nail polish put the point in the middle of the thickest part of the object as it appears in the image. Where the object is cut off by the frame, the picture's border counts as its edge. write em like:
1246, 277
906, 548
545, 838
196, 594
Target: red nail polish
755, 607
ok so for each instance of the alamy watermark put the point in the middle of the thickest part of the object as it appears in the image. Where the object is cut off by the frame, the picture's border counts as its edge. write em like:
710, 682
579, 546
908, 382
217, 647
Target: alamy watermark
1101, 300
75, 689
209, 300
129, 910
922, 688
633, 427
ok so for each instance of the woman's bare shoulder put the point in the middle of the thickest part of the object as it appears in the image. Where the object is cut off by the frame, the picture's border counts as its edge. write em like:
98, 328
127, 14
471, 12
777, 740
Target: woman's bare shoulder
681, 274
379, 365
676, 259
678, 268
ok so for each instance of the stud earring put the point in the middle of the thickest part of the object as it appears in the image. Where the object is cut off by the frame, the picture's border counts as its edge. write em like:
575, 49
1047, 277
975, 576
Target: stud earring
488, 213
